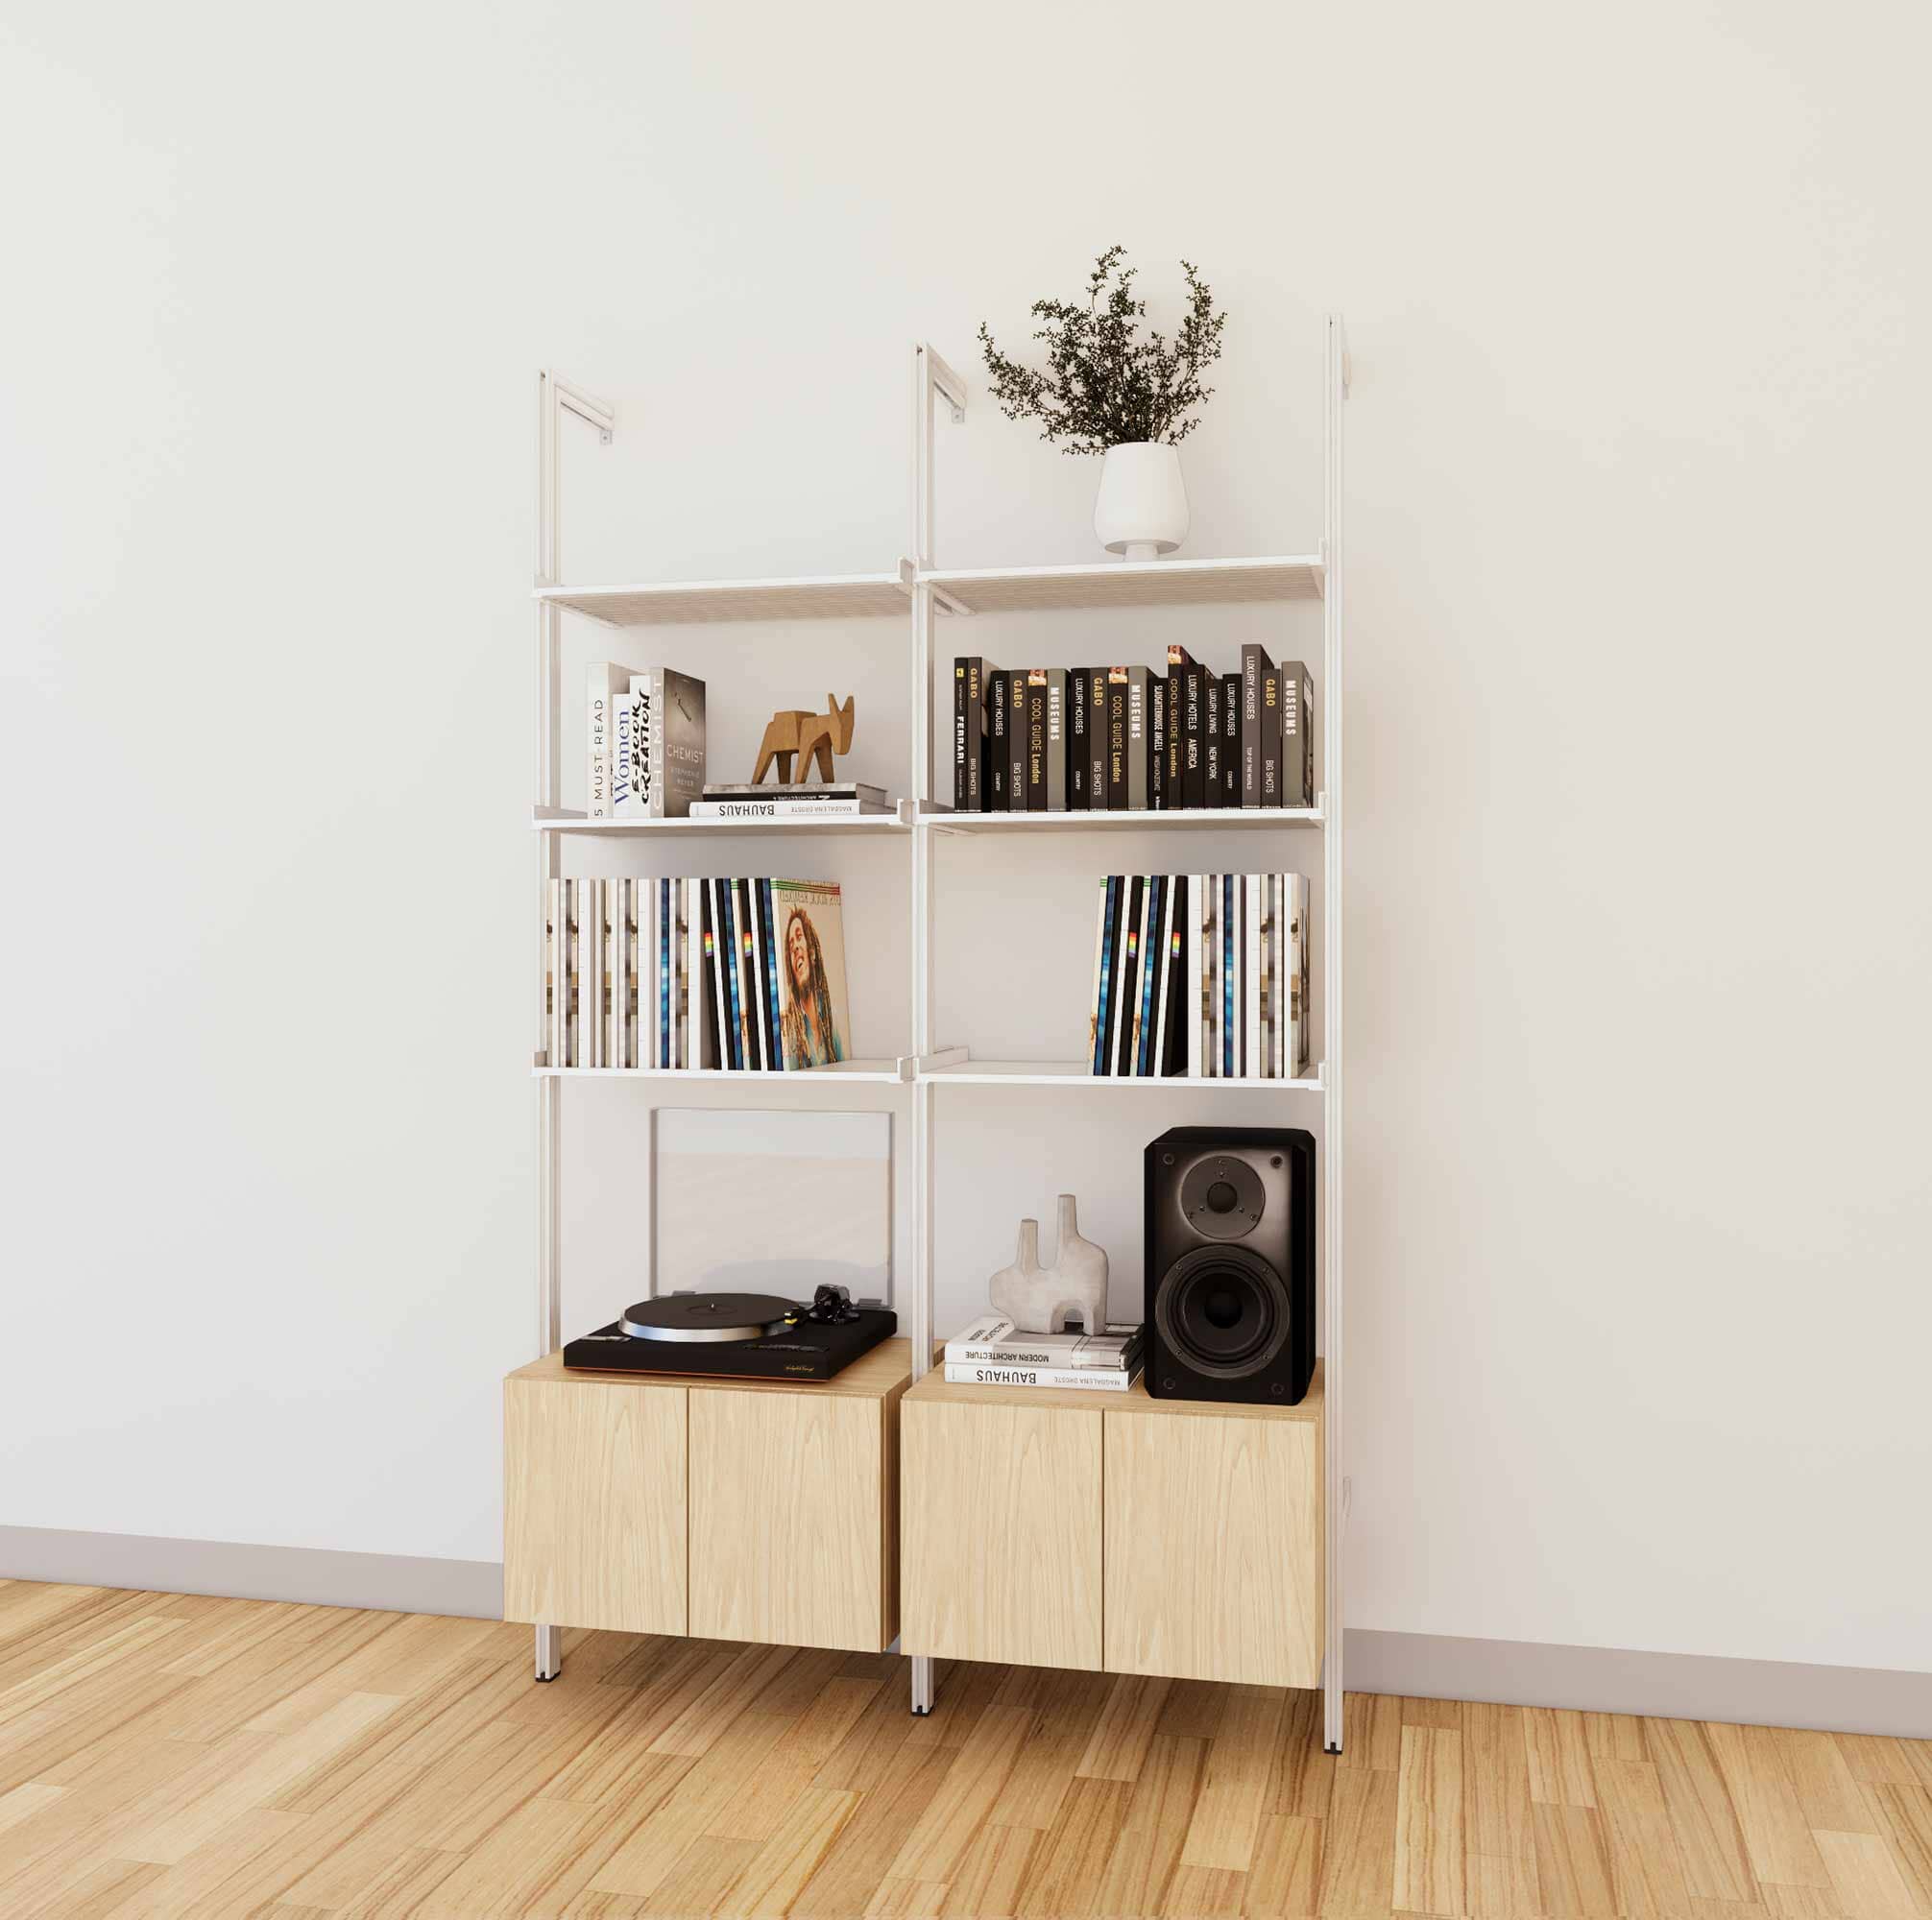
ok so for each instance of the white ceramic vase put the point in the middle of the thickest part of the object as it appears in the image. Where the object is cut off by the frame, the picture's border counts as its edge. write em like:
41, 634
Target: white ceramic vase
1141, 510
1043, 1300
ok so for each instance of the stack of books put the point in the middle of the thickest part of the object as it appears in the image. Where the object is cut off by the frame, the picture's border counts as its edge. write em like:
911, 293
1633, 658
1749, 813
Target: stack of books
1158, 740
798, 800
1200, 977
646, 742
991, 1353
723, 974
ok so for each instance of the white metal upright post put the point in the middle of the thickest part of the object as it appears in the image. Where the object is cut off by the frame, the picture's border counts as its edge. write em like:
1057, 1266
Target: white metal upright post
930, 377
554, 397
1336, 1493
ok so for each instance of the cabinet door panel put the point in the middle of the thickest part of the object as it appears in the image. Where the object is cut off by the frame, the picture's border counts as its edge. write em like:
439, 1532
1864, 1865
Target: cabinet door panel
1214, 1548
788, 1521
1000, 1533
593, 1504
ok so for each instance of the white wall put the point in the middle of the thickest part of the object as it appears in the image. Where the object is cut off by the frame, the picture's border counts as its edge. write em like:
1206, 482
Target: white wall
1639, 1224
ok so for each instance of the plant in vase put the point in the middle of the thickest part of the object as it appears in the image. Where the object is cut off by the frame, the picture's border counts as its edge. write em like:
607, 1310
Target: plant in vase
1108, 390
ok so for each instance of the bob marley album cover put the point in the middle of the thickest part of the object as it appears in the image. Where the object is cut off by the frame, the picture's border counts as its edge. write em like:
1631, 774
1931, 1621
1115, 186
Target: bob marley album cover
814, 1023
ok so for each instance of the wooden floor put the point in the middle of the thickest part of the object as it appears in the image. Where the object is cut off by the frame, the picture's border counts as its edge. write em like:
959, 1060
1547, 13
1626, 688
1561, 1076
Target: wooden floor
161, 1755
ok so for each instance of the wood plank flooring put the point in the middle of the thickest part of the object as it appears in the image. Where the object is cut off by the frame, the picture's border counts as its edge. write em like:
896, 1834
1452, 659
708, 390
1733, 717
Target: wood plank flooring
162, 1754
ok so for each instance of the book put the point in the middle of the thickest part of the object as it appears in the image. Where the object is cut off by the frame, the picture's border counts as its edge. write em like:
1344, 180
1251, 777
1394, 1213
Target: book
609, 683
1298, 735
1210, 977
617, 896
1197, 895
1299, 1036
1229, 937
1118, 682
1250, 976
1154, 944
1081, 1379
787, 809
1177, 660
1230, 741
1194, 731
1140, 738
796, 790
1097, 1014
553, 949
1036, 739
1168, 971
1271, 901
668, 750
690, 1001
1157, 742
1211, 737
993, 1339
1130, 977
1254, 663
1097, 738
1016, 743
1056, 740
1174, 1051
1270, 736
814, 1021
998, 763
969, 794
1077, 714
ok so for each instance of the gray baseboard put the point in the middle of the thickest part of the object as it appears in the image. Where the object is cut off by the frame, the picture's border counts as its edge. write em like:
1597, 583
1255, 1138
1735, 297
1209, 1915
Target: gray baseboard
1435, 1667
1670, 1686
390, 1582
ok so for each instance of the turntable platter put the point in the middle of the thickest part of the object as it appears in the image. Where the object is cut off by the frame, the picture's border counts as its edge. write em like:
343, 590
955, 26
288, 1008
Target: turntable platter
709, 1316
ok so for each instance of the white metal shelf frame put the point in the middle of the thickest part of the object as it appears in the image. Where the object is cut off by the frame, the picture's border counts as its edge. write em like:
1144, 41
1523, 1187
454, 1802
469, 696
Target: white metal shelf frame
920, 587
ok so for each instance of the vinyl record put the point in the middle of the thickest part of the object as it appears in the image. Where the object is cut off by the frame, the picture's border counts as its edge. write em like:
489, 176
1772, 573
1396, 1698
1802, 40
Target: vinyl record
709, 1316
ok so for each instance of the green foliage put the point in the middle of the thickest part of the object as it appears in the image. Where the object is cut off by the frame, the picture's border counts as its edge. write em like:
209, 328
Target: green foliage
1104, 385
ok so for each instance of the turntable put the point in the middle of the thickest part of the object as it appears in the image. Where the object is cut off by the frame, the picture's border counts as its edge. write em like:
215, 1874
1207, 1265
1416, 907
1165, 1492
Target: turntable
735, 1336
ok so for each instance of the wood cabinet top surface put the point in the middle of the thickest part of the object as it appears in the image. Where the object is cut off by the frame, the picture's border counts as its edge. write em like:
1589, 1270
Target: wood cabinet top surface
874, 1375
935, 1386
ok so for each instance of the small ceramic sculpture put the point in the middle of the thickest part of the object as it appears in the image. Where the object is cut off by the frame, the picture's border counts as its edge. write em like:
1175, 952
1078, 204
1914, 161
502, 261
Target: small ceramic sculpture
1043, 1300
793, 734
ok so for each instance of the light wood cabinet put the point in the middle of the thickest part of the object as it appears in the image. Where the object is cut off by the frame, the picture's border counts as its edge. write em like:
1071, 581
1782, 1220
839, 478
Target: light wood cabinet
1142, 1536
755, 1510
1002, 1532
593, 1504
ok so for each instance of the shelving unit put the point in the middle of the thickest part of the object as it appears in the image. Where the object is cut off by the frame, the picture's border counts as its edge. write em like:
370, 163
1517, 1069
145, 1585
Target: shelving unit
919, 588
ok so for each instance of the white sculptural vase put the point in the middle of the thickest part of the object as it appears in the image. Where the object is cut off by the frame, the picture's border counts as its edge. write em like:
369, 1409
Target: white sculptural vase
1141, 510
1044, 1300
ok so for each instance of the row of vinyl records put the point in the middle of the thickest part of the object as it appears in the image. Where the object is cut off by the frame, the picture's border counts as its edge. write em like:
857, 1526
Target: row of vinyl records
1083, 739
734, 974
1201, 975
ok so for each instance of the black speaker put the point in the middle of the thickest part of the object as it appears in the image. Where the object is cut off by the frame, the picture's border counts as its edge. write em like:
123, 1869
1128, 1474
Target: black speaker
1230, 1249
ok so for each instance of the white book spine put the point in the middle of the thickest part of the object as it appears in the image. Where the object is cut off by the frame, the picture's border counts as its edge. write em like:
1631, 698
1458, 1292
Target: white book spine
589, 970
617, 964
1081, 1380
623, 805
656, 1021
1094, 998
1164, 976
1282, 905
1250, 971
1301, 1035
567, 974
1196, 893
689, 1003
644, 1023
607, 683
647, 736
787, 809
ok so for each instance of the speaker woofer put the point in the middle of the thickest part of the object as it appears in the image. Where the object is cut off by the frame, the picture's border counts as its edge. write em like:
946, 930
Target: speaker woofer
1223, 1311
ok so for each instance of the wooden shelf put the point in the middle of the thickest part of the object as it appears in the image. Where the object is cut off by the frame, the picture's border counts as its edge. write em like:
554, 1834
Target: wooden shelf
935, 1386
1122, 583
875, 1374
1198, 820
563, 821
1077, 1073
827, 596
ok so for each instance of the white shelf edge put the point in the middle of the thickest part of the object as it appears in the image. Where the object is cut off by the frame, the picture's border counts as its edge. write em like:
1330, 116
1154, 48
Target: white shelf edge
1200, 818
1055, 1073
864, 1072
563, 819
1120, 582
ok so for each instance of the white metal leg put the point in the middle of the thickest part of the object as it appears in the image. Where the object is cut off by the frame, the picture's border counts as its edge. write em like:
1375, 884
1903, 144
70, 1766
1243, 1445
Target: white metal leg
554, 398
1336, 1492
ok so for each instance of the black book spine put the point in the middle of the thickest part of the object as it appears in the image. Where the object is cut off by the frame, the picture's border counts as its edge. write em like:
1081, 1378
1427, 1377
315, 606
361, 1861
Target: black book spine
1176, 793
1230, 740
1056, 740
1076, 740
1122, 1063
1016, 743
995, 766
1097, 738
1157, 742
1211, 781
1193, 769
1117, 738
1252, 664
1153, 949
1036, 740
975, 735
1103, 977
1270, 736
1175, 1058
960, 734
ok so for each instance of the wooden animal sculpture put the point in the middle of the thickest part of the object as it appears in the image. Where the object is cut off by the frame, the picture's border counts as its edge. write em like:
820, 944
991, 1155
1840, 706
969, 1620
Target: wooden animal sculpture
801, 737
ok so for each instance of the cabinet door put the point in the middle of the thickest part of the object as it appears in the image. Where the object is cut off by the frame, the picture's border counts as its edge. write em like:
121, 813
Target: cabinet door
593, 1504
1214, 1548
1000, 1531
789, 1519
